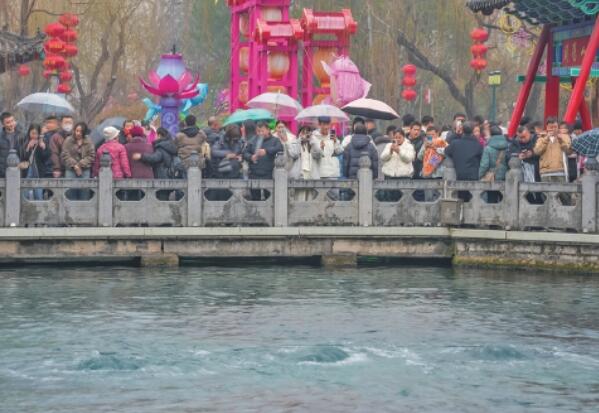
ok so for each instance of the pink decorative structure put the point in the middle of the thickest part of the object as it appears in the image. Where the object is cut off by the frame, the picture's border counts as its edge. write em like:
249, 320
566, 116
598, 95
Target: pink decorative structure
265, 49
327, 35
346, 82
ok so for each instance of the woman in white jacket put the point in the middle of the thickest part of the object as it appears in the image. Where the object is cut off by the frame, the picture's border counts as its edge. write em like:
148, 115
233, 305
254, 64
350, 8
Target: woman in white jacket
292, 150
325, 149
398, 157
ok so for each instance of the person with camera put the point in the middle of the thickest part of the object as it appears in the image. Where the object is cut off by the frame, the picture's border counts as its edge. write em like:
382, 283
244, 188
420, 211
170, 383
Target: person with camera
326, 149
553, 148
398, 157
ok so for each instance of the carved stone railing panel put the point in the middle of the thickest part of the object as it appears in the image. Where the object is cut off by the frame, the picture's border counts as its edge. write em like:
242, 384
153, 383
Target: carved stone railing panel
323, 203
407, 202
550, 206
55, 202
237, 202
152, 203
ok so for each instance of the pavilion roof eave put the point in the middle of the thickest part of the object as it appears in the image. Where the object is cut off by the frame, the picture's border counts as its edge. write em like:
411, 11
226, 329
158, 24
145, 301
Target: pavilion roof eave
556, 12
15, 49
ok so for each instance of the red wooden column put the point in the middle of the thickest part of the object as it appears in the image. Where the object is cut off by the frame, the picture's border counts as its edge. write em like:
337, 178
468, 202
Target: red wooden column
577, 97
528, 81
553, 84
585, 116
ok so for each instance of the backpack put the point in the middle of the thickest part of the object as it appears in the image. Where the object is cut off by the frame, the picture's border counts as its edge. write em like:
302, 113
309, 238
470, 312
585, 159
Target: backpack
176, 169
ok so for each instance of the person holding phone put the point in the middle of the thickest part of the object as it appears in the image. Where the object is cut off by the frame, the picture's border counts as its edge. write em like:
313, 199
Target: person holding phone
552, 148
325, 149
292, 149
398, 157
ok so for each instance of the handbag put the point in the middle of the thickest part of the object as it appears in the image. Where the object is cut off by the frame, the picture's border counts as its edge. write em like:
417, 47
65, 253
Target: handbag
489, 176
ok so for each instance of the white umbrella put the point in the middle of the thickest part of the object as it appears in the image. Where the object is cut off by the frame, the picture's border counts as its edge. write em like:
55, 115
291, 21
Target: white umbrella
49, 103
312, 114
278, 103
371, 108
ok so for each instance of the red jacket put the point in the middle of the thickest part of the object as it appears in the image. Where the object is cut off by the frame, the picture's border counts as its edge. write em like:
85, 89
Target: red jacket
120, 161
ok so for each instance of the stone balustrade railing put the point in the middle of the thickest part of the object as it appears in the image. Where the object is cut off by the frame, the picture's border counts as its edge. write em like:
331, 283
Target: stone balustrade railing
280, 202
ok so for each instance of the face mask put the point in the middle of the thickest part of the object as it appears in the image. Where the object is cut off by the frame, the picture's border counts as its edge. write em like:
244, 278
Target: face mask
68, 128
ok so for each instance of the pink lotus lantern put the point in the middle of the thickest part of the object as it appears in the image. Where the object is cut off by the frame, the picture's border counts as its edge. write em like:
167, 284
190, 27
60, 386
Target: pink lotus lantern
172, 82
347, 84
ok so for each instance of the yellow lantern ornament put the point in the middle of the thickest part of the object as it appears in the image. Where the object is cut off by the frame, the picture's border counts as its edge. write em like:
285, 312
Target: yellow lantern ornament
278, 65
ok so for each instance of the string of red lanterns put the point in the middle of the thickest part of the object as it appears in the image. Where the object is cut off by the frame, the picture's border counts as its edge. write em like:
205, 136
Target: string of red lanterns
59, 48
479, 49
409, 82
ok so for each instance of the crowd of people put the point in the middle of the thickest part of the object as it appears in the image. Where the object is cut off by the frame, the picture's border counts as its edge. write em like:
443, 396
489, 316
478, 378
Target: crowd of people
480, 149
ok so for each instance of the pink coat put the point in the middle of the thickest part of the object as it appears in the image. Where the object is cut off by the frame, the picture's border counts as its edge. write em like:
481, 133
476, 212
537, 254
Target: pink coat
120, 161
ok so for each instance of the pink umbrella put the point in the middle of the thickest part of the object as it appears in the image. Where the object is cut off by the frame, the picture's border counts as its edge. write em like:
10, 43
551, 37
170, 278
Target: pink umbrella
279, 104
371, 108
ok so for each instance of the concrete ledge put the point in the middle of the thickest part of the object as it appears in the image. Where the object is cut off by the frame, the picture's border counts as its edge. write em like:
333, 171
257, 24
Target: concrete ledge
164, 246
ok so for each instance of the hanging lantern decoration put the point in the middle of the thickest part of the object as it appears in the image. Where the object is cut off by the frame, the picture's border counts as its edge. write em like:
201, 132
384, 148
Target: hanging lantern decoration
409, 95
65, 76
272, 14
69, 36
479, 64
244, 92
244, 58
48, 73
409, 82
327, 55
70, 50
244, 25
24, 71
54, 46
53, 61
64, 88
54, 29
68, 20
277, 89
278, 65
479, 49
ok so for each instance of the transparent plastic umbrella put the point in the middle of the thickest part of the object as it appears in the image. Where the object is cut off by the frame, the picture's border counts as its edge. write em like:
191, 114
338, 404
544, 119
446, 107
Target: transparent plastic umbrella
279, 104
312, 113
46, 103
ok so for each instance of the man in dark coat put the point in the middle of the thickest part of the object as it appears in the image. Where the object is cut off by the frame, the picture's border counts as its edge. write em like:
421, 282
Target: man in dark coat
417, 140
11, 137
261, 151
213, 131
522, 147
457, 130
466, 153
52, 127
372, 131
360, 145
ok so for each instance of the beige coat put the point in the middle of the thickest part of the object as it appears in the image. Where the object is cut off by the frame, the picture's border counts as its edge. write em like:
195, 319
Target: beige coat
552, 153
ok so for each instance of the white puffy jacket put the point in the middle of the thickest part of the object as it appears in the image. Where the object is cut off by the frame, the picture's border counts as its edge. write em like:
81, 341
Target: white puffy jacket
397, 165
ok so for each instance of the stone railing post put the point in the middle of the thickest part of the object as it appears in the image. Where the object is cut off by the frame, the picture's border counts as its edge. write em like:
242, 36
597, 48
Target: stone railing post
511, 197
105, 190
194, 191
365, 193
449, 173
281, 191
13, 190
589, 195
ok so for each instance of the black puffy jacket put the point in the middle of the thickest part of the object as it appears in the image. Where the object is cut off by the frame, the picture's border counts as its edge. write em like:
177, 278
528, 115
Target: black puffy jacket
161, 160
263, 167
359, 146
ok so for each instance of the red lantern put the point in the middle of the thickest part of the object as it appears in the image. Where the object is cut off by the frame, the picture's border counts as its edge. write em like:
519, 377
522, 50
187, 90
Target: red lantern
69, 36
409, 81
409, 70
479, 64
479, 35
54, 29
70, 50
53, 61
54, 46
64, 88
24, 70
479, 49
409, 95
65, 76
47, 73
69, 20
